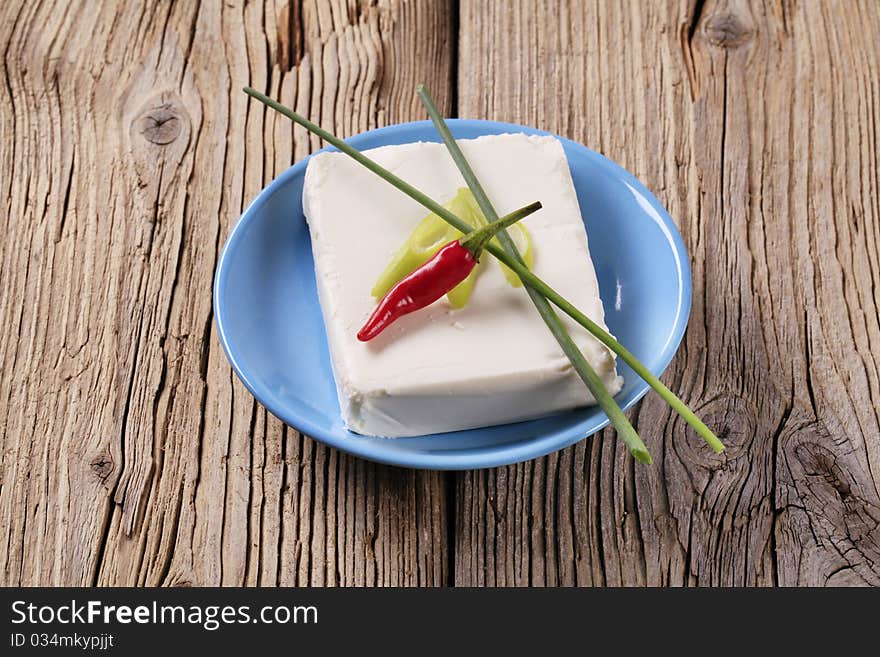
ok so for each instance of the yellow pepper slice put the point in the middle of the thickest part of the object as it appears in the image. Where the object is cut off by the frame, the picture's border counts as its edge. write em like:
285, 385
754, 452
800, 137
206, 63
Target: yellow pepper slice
518, 233
426, 239
520, 236
432, 233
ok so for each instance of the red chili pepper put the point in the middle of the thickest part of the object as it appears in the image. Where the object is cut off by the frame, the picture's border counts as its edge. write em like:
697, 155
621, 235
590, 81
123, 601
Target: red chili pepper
422, 287
449, 267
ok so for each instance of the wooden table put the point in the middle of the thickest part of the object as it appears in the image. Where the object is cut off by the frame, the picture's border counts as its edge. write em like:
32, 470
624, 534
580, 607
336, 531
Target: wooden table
132, 455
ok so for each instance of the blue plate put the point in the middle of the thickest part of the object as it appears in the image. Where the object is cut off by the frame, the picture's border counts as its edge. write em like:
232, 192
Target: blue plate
269, 320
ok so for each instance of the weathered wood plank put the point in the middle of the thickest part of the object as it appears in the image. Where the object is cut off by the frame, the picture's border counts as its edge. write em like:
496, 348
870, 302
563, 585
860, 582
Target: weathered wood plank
130, 453
756, 125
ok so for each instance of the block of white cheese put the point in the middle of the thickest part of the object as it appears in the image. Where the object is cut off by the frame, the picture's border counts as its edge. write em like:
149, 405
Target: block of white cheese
441, 369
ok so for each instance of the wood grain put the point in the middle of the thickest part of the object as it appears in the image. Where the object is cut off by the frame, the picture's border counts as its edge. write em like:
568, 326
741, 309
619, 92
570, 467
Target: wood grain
756, 125
130, 452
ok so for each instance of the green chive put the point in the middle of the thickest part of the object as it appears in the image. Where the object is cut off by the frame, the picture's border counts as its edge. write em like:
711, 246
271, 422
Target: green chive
603, 336
581, 365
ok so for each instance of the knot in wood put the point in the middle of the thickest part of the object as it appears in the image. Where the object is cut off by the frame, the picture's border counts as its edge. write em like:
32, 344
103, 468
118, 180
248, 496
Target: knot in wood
102, 467
160, 125
728, 29
821, 464
733, 419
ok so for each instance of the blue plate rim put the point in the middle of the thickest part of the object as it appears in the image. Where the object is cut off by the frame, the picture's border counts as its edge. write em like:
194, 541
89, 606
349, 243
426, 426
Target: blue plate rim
498, 455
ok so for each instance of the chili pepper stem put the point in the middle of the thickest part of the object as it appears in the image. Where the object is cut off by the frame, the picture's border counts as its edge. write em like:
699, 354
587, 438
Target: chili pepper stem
531, 281
477, 240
